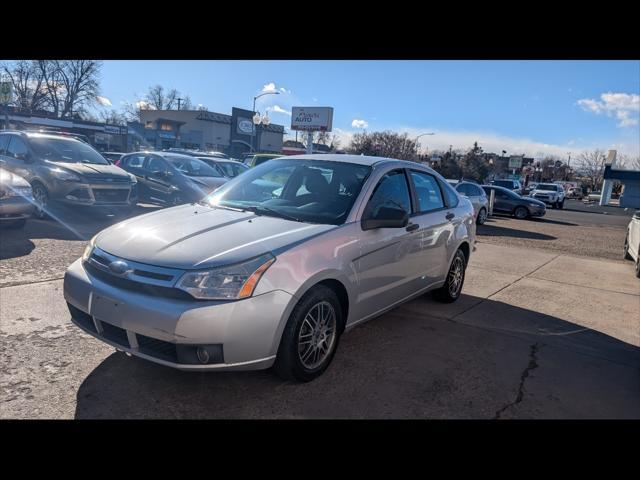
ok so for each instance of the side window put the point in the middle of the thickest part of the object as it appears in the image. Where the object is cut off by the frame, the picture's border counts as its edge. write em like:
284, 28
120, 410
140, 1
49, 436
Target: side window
478, 191
4, 142
464, 189
134, 161
391, 192
17, 148
155, 165
427, 191
450, 195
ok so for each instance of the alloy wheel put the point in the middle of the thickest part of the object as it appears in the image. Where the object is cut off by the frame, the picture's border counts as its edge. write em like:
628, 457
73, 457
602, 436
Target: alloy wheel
454, 279
482, 216
317, 335
41, 200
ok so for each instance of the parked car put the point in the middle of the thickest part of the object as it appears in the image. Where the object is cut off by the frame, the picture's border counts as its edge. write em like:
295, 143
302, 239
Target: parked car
632, 241
478, 199
227, 168
549, 193
509, 202
513, 185
575, 192
199, 153
16, 200
171, 178
255, 159
594, 196
65, 170
240, 281
112, 157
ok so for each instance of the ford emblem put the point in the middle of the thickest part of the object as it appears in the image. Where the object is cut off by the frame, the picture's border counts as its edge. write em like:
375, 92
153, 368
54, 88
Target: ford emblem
119, 267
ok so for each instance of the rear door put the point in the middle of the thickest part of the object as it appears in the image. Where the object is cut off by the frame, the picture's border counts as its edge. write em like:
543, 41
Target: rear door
134, 164
503, 202
14, 158
436, 226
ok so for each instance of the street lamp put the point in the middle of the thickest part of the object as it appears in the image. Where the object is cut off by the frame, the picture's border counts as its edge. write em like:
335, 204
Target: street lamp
257, 119
422, 135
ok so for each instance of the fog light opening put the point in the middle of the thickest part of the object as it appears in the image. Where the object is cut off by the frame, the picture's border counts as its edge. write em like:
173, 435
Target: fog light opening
203, 355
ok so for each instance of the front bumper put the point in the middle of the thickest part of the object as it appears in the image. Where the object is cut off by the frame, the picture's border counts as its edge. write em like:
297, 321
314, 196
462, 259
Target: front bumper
15, 208
165, 330
96, 193
537, 211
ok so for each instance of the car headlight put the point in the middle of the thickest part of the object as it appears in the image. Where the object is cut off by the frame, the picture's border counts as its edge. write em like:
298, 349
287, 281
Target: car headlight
133, 178
89, 249
231, 282
64, 175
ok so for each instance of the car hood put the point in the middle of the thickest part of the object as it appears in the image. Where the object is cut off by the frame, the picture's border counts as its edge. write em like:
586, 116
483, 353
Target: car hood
537, 202
11, 179
196, 236
94, 171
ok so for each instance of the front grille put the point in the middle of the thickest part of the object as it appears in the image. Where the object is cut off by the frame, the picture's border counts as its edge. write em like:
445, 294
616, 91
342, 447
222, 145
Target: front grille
115, 334
157, 348
147, 289
84, 319
110, 194
80, 194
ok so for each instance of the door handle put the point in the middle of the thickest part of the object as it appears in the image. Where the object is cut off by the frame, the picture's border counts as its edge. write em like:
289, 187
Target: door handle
412, 226
450, 216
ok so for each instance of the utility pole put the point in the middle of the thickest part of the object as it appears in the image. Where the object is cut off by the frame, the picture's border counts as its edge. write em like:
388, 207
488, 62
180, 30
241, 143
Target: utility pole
179, 102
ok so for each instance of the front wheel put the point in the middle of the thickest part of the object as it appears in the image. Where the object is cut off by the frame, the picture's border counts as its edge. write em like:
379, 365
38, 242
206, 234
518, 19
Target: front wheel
561, 205
452, 287
41, 197
521, 213
310, 338
482, 216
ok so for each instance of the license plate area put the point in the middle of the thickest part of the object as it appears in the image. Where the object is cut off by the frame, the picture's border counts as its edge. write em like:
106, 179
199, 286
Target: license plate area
107, 309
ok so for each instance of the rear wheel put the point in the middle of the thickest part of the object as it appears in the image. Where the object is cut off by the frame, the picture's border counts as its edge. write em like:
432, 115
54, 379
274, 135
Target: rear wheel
521, 213
482, 216
310, 338
452, 287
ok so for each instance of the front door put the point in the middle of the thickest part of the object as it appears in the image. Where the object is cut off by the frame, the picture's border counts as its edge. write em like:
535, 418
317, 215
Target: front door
386, 266
156, 179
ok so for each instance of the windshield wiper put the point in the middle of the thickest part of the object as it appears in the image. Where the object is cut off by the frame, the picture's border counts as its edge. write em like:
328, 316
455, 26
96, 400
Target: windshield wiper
261, 209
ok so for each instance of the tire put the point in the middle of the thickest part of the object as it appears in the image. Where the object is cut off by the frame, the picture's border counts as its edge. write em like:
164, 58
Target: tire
638, 263
449, 293
482, 216
626, 254
17, 224
521, 213
561, 205
296, 359
41, 197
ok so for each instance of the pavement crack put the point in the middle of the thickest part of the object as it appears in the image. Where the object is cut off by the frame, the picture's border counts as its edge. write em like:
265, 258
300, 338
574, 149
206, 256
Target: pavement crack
533, 364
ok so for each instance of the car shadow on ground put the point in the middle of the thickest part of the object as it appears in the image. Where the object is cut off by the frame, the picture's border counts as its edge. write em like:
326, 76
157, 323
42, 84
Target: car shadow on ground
487, 229
477, 358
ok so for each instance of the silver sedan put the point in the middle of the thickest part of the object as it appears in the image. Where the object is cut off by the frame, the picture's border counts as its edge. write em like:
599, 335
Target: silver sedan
270, 269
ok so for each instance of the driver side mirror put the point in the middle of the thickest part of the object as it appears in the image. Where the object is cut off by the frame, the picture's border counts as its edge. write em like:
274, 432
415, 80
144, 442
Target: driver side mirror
25, 157
386, 218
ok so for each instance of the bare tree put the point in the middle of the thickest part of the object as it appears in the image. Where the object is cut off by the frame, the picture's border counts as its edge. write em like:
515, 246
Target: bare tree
591, 166
384, 144
113, 117
159, 98
28, 84
629, 162
71, 85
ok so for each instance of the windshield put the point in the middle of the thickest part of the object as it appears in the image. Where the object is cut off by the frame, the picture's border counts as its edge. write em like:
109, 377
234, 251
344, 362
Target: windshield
66, 150
549, 187
232, 169
313, 191
193, 167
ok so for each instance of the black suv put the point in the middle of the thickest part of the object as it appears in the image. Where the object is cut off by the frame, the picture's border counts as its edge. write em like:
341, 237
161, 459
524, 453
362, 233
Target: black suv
63, 169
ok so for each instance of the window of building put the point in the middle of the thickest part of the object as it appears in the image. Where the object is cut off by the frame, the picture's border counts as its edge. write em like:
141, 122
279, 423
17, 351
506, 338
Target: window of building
149, 124
166, 127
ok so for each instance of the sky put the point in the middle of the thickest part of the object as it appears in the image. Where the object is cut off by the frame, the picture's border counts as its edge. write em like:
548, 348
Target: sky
534, 108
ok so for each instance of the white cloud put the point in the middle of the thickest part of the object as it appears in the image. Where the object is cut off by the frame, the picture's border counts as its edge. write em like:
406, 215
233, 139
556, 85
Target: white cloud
623, 106
269, 87
278, 109
359, 123
144, 105
104, 101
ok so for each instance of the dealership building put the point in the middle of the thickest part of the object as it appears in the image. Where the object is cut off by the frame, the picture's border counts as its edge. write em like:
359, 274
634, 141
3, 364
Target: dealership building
233, 134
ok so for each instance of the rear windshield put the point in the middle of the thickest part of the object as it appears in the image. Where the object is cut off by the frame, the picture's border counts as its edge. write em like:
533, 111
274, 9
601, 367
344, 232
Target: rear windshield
66, 150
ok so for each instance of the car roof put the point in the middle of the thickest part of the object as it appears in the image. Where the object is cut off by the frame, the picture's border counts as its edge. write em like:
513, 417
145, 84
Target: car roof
36, 134
356, 159
220, 159
163, 154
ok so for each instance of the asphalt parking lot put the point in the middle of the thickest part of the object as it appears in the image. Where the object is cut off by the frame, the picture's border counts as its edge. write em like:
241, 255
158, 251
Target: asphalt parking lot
548, 327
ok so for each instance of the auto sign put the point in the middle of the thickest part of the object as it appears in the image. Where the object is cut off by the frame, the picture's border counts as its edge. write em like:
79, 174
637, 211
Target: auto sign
312, 118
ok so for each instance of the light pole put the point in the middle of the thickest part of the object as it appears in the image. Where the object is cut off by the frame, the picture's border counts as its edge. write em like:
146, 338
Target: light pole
256, 117
421, 135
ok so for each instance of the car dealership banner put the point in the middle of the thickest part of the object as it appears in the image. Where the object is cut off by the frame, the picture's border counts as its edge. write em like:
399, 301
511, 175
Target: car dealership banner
319, 119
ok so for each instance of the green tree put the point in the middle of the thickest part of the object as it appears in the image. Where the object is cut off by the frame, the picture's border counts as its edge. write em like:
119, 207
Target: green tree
473, 165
